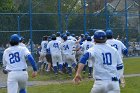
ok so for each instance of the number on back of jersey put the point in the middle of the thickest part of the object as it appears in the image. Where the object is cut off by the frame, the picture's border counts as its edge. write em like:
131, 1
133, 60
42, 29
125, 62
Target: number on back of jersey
14, 57
66, 47
115, 46
55, 45
107, 58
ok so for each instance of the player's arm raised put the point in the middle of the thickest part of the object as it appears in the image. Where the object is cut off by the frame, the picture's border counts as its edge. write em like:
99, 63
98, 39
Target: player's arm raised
83, 60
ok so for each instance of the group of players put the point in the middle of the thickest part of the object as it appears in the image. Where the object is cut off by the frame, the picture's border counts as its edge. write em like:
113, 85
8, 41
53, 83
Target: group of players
101, 52
62, 52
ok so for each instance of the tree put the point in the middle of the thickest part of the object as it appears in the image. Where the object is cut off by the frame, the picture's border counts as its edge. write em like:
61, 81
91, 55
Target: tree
7, 6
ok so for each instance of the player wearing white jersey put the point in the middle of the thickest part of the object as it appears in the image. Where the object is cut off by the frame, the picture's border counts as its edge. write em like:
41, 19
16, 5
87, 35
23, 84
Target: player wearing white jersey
119, 46
116, 43
54, 47
68, 49
106, 61
86, 45
14, 61
58, 37
42, 57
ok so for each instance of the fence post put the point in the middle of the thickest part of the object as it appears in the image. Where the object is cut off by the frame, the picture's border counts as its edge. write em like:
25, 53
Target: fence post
59, 16
66, 22
18, 19
107, 15
126, 23
30, 14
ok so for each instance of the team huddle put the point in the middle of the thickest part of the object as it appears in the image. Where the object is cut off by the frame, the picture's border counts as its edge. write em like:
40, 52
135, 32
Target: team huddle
65, 53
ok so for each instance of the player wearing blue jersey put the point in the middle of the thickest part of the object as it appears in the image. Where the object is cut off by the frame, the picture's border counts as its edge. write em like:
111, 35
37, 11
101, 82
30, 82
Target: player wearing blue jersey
14, 62
106, 61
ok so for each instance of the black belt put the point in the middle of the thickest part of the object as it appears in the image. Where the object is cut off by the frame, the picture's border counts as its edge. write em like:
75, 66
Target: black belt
23, 69
113, 79
17, 70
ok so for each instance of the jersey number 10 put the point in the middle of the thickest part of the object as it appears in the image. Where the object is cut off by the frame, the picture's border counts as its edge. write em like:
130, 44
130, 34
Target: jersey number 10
14, 57
107, 59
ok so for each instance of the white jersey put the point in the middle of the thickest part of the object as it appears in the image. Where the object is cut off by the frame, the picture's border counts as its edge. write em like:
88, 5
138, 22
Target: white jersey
106, 59
72, 38
14, 58
54, 47
86, 45
116, 44
68, 46
44, 46
59, 39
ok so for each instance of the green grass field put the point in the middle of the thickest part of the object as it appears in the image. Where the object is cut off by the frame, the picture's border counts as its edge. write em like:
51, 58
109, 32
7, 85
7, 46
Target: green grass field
132, 66
132, 83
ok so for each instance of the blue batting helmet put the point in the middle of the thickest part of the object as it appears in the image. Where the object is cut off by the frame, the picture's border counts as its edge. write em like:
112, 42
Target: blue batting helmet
100, 36
82, 36
21, 38
64, 37
89, 38
53, 37
14, 38
86, 35
73, 35
109, 34
68, 33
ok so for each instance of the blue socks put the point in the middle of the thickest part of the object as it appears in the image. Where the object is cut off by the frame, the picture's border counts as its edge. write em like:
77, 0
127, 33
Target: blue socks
55, 69
22, 91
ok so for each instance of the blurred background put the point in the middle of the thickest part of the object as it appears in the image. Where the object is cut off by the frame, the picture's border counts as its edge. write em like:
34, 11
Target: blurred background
33, 19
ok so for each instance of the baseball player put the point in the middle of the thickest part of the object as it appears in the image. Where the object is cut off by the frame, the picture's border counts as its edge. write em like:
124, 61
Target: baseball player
70, 37
58, 37
14, 61
42, 57
121, 49
106, 61
68, 49
55, 51
86, 45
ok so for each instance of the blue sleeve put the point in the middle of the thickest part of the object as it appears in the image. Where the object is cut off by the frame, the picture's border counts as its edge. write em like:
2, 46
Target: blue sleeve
125, 51
84, 58
32, 61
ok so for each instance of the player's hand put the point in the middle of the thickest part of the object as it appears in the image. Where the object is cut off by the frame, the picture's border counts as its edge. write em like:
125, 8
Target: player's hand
5, 71
77, 79
34, 74
122, 82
